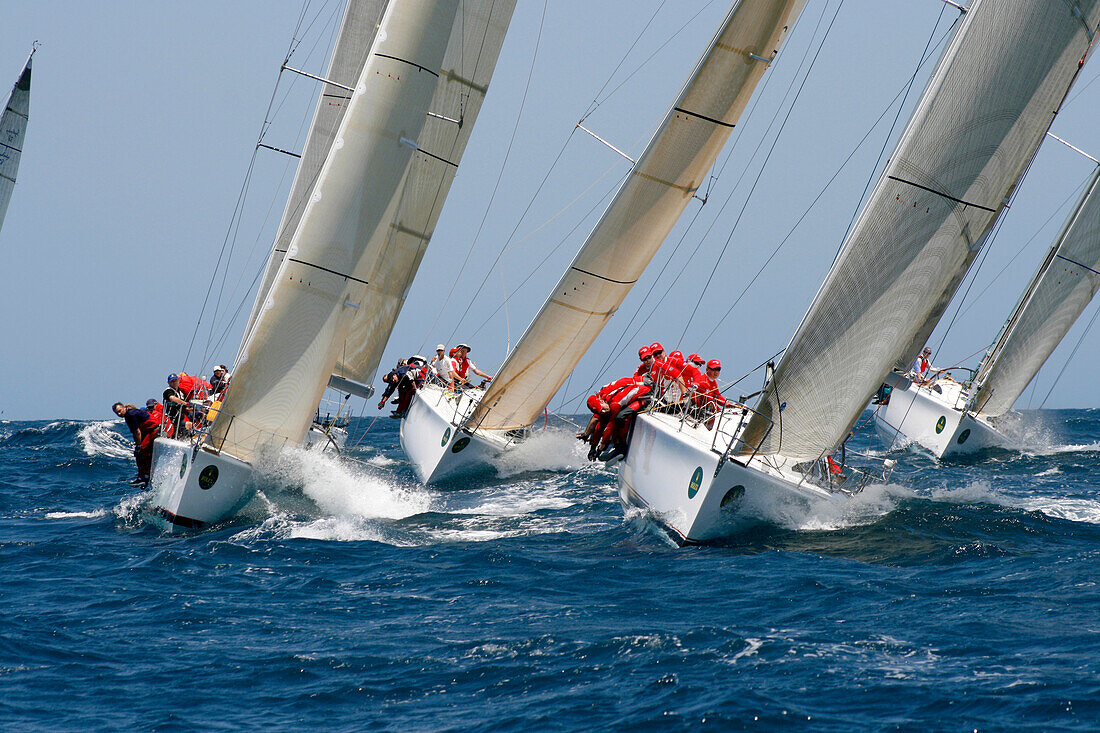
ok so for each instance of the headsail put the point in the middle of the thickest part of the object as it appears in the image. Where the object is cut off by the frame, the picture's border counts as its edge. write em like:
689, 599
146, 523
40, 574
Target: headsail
626, 238
353, 43
1061, 289
13, 128
323, 280
471, 57
987, 107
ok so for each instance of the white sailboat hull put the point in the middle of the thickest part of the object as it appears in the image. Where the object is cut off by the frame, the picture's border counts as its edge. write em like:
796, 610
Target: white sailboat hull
932, 420
437, 448
191, 489
670, 472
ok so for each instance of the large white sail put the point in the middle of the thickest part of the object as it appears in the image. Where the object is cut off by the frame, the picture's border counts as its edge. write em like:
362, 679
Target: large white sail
353, 43
292, 349
13, 128
1061, 289
397, 249
987, 107
626, 238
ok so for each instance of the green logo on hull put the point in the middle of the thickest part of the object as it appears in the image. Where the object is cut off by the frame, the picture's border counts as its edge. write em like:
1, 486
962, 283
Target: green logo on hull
208, 476
941, 424
183, 466
696, 482
446, 437
963, 436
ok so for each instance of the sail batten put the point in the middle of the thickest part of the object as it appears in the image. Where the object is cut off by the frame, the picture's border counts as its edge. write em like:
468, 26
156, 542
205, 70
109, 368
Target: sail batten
986, 109
1062, 287
13, 130
649, 202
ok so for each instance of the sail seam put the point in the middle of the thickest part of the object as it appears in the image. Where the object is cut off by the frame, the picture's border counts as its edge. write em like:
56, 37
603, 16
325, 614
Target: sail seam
334, 272
583, 310
7, 177
401, 229
686, 189
602, 277
10, 147
940, 193
410, 63
17, 112
704, 117
1075, 262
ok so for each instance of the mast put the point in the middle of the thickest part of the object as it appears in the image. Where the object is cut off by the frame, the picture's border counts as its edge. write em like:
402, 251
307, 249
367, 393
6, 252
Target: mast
647, 205
287, 357
1063, 286
13, 129
972, 136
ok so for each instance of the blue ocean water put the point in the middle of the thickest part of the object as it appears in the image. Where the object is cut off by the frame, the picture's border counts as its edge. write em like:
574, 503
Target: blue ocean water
957, 597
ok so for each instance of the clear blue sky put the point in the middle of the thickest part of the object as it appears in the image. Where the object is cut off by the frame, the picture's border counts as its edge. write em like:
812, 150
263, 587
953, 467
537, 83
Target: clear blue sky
144, 116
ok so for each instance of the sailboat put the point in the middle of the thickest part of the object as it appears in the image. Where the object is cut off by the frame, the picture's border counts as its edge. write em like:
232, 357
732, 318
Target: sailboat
446, 433
987, 106
13, 128
406, 83
950, 418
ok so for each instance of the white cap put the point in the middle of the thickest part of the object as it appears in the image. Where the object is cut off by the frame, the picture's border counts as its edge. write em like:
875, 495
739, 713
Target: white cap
440, 347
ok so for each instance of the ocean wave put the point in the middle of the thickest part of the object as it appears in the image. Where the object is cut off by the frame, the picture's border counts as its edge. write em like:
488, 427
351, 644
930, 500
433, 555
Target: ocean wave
101, 439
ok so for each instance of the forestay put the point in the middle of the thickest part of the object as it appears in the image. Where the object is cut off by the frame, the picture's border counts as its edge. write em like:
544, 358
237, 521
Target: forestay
987, 107
286, 362
13, 128
1061, 289
395, 251
353, 43
626, 238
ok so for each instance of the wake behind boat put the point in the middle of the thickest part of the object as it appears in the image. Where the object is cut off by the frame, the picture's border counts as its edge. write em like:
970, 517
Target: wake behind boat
394, 118
987, 107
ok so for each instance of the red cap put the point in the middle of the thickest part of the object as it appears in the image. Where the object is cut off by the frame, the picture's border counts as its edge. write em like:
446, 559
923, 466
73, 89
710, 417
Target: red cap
675, 360
676, 355
644, 352
714, 364
656, 346
695, 358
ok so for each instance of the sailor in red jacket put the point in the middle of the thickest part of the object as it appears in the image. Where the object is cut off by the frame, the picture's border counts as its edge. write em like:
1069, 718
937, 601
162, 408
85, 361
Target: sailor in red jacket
144, 428
624, 405
599, 405
693, 372
645, 354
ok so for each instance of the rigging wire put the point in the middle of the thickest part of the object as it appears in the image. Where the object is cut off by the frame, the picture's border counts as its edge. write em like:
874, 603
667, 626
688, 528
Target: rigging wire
1069, 358
496, 186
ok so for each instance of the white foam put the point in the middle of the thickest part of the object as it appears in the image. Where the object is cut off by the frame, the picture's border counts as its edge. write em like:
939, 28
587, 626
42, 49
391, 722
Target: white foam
1074, 510
77, 515
549, 450
842, 511
342, 488
100, 439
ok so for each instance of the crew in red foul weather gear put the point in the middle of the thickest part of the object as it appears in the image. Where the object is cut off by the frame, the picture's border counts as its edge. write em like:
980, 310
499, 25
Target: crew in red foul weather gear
624, 405
598, 404
645, 354
693, 372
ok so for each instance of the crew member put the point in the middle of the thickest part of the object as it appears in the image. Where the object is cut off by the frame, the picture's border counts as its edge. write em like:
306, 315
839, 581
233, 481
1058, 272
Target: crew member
693, 372
624, 404
598, 404
645, 354
461, 366
670, 384
413, 377
441, 366
391, 379
144, 428
707, 397
613, 396
219, 382
922, 367
176, 408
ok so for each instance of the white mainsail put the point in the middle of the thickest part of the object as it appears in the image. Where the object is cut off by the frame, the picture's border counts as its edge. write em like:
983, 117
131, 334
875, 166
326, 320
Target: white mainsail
397, 249
13, 129
1061, 289
322, 282
987, 107
634, 225
353, 43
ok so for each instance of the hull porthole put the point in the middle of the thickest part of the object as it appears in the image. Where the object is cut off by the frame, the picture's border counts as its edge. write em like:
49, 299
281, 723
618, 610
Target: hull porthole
963, 436
460, 444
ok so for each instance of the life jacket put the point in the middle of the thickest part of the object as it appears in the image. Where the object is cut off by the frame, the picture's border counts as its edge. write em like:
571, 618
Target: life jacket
834, 467
153, 422
460, 366
193, 387
157, 413
608, 390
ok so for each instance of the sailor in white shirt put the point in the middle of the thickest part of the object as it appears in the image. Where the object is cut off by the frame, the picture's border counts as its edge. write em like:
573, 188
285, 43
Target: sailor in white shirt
441, 365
